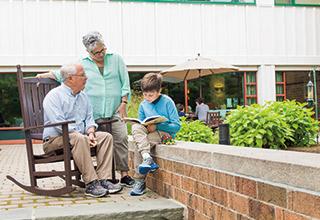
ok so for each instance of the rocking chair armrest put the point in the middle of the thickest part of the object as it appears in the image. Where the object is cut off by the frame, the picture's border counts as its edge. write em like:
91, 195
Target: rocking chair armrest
49, 125
110, 121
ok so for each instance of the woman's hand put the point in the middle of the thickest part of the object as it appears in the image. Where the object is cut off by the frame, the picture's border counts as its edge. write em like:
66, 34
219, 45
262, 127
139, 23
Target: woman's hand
122, 110
151, 128
46, 75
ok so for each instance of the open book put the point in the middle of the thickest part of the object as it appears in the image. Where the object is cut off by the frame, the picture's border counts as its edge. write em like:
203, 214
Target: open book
147, 121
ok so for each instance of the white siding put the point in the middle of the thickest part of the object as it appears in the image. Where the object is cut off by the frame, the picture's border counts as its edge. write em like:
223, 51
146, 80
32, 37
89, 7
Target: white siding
48, 33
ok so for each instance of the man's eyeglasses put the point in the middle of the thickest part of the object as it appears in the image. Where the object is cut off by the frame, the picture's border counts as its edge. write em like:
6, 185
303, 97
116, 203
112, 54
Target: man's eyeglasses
98, 52
82, 76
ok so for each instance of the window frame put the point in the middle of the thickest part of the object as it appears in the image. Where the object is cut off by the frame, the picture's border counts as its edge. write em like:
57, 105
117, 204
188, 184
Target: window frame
234, 2
245, 84
283, 83
294, 4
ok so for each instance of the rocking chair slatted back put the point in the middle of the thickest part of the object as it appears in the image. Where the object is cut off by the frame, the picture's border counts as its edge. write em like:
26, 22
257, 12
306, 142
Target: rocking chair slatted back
32, 92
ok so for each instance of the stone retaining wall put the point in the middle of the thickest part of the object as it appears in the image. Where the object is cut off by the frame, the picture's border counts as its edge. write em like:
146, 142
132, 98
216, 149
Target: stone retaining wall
211, 181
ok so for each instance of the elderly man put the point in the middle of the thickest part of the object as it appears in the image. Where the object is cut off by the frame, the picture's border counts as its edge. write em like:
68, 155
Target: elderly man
68, 102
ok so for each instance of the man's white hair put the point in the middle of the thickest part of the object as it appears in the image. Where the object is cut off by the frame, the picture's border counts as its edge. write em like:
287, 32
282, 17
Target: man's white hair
68, 70
91, 39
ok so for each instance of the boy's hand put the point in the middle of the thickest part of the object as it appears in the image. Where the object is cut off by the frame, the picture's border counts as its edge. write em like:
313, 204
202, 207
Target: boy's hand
151, 128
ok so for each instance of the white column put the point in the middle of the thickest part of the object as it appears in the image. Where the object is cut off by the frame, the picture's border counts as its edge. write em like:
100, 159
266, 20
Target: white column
266, 82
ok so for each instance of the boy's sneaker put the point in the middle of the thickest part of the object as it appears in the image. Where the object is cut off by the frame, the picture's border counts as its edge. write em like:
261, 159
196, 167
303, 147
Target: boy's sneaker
127, 181
148, 165
139, 188
112, 188
94, 189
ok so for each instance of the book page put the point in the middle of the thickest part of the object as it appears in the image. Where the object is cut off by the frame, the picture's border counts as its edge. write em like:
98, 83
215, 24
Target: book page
132, 120
154, 120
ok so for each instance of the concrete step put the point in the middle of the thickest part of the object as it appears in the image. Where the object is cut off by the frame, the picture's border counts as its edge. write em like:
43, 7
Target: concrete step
159, 208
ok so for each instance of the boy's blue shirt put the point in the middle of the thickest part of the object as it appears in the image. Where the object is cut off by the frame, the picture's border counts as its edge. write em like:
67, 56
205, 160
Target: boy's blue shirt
164, 106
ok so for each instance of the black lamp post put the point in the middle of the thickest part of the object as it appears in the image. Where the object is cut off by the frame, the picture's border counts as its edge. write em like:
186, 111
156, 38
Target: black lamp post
312, 97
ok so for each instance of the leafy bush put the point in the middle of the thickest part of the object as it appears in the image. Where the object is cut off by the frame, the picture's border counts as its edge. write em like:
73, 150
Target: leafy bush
195, 131
300, 120
258, 126
133, 107
216, 137
9, 99
273, 125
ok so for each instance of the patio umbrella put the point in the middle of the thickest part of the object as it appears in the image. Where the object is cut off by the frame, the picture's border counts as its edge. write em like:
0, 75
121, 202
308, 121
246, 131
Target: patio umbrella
196, 68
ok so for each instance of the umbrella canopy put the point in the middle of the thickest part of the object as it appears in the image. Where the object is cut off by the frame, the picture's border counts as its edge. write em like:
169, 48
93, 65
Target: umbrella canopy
196, 68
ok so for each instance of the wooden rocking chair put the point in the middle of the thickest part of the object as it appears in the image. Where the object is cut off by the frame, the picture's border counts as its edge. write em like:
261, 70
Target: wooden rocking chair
31, 94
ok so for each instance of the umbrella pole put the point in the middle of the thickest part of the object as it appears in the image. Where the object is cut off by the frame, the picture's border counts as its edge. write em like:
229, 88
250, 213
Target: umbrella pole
186, 95
200, 83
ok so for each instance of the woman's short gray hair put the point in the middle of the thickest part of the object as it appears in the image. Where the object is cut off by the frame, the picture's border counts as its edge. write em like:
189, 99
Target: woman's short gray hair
91, 39
68, 70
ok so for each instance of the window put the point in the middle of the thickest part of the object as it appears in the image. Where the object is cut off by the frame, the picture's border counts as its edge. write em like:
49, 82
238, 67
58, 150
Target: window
244, 2
281, 86
298, 2
10, 115
250, 88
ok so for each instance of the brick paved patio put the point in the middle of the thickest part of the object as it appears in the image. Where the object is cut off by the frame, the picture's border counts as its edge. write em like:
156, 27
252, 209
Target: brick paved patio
13, 161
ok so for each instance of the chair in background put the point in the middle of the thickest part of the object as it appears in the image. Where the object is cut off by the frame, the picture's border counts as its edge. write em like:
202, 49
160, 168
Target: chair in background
31, 94
213, 119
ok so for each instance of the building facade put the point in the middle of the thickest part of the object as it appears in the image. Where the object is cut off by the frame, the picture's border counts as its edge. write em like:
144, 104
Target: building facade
266, 39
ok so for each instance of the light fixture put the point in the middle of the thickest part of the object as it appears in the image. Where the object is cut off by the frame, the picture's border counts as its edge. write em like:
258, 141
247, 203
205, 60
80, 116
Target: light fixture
310, 96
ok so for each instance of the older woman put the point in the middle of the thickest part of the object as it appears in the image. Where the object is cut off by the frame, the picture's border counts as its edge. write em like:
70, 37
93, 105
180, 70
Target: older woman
108, 89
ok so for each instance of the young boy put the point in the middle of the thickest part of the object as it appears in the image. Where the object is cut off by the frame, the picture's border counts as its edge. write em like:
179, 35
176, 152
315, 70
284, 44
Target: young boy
154, 103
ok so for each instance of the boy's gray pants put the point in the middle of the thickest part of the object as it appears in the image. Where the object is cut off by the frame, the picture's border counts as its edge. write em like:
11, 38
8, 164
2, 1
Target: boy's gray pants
143, 142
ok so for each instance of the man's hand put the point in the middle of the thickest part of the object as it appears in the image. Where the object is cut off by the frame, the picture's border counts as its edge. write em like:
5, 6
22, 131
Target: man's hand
151, 128
92, 138
122, 110
46, 75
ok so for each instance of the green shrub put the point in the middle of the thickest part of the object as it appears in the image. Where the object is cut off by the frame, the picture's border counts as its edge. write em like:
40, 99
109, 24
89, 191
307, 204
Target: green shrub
195, 131
133, 107
258, 126
216, 137
300, 120
273, 125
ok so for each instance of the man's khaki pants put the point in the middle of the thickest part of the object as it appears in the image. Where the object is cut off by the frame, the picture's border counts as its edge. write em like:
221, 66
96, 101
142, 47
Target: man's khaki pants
143, 141
81, 153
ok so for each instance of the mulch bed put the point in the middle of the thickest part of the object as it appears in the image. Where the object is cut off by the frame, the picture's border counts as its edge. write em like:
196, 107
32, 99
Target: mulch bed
311, 149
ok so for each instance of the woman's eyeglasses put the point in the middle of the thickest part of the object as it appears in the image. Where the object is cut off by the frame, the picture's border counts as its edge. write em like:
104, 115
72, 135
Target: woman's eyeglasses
98, 52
